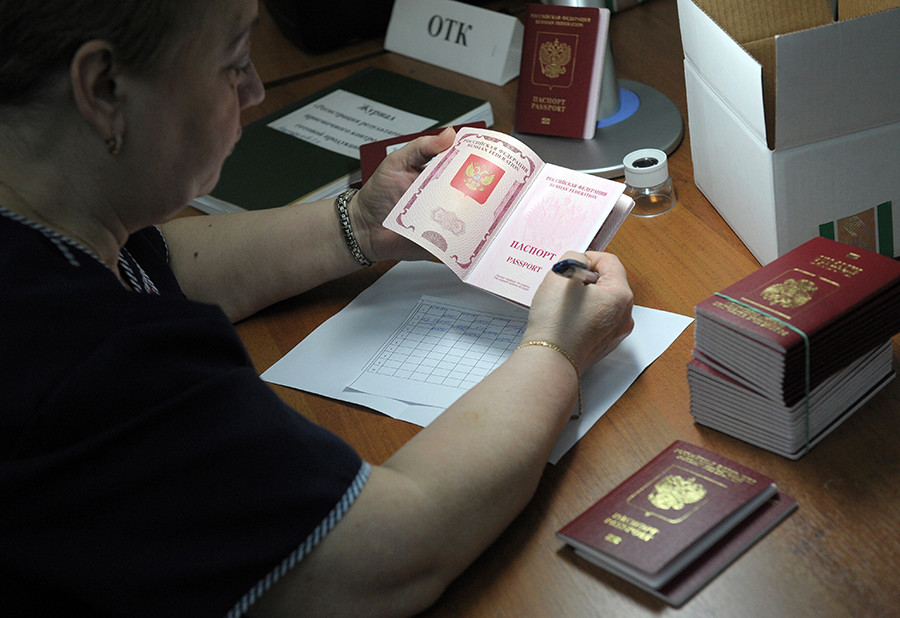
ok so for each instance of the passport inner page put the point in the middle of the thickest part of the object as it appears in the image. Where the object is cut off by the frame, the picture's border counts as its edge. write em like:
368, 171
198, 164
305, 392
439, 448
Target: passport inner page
561, 211
460, 202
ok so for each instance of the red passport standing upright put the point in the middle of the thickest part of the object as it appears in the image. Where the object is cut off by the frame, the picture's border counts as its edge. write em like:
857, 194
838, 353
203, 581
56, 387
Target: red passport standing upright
563, 50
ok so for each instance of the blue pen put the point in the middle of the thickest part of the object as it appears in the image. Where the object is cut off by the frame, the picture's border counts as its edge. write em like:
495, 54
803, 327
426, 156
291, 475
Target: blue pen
573, 269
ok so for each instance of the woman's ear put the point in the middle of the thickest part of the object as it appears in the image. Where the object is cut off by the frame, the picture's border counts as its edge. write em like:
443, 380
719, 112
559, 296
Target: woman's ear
93, 75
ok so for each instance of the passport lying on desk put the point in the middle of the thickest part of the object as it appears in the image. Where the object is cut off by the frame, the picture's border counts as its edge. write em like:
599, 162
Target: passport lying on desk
678, 521
500, 217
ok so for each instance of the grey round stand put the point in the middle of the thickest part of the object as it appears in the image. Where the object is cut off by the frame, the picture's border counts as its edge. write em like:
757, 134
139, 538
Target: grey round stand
656, 123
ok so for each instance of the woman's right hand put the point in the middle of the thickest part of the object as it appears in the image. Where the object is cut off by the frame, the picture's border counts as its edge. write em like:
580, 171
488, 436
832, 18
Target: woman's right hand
588, 321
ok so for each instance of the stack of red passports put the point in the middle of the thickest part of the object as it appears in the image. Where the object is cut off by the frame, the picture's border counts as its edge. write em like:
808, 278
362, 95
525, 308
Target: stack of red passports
783, 356
678, 521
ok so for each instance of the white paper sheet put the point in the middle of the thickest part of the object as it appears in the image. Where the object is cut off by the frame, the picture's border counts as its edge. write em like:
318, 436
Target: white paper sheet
340, 121
336, 354
440, 351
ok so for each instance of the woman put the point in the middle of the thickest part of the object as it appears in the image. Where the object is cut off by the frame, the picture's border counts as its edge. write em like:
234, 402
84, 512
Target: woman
144, 467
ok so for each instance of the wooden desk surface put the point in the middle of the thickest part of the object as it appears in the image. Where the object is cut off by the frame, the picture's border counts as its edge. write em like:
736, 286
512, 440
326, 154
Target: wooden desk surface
838, 555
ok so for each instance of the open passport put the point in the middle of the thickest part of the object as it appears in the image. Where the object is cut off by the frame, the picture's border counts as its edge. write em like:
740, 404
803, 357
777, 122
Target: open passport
500, 217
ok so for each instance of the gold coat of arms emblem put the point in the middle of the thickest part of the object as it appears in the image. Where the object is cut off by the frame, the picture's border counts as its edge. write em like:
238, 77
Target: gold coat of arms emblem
554, 56
675, 492
791, 293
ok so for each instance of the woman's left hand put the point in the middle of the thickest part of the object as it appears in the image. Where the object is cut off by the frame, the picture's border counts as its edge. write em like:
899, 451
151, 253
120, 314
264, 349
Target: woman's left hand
382, 192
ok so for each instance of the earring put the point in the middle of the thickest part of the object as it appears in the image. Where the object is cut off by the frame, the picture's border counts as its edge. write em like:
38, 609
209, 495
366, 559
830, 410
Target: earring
114, 144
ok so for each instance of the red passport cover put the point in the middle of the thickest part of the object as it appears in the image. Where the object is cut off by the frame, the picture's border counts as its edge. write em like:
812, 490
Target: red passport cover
809, 287
716, 559
843, 298
665, 515
371, 154
563, 49
691, 580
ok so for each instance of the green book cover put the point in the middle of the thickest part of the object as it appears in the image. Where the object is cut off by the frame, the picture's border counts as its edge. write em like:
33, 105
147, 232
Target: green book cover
271, 168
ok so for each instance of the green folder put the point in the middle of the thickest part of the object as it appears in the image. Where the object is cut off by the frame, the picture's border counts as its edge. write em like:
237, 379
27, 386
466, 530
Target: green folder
270, 168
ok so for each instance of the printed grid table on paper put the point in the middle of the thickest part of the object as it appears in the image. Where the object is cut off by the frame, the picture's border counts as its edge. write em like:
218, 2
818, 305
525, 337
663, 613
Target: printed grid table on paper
439, 351
447, 345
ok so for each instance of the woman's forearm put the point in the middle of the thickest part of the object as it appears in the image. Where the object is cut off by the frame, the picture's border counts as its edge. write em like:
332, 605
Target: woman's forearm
441, 500
249, 260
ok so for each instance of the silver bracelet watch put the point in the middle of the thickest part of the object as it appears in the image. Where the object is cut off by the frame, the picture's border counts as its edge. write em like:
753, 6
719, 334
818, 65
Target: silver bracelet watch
340, 203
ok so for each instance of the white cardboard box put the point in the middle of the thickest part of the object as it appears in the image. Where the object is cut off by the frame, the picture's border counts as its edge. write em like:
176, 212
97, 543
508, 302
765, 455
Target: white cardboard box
808, 145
